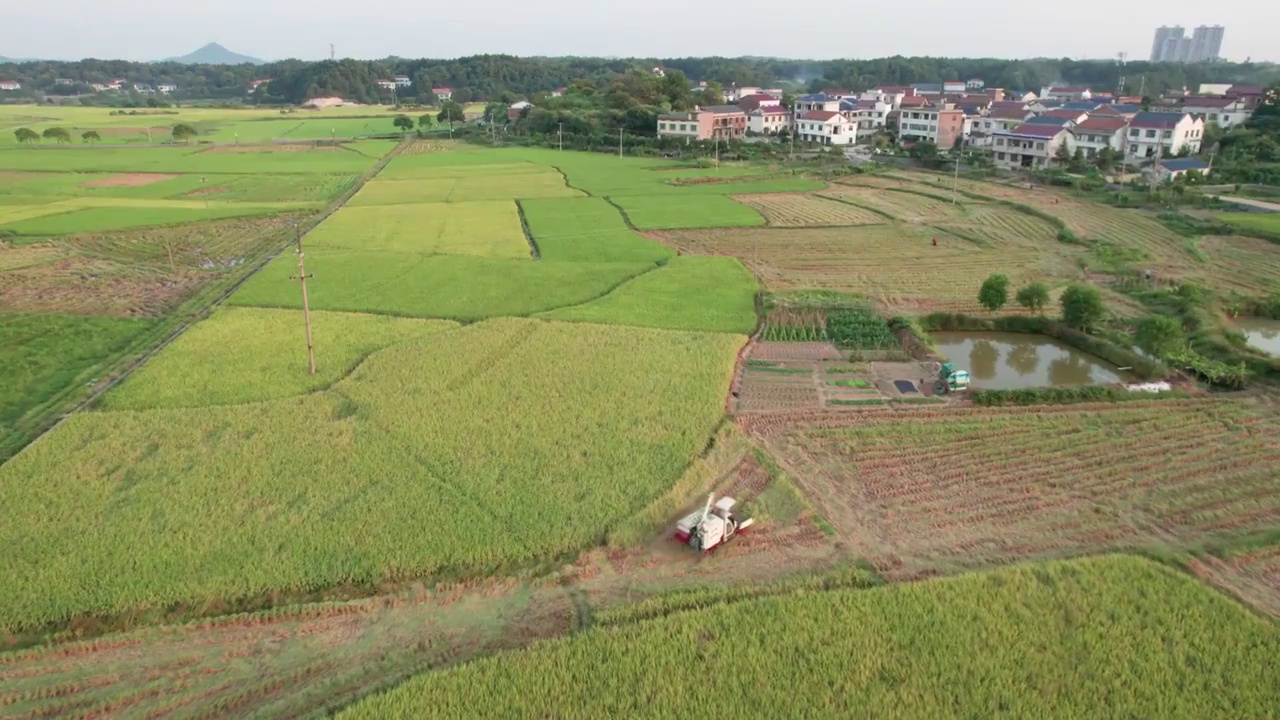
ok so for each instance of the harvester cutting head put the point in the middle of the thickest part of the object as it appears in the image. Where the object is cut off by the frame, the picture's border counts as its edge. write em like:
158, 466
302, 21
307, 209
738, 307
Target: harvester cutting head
713, 525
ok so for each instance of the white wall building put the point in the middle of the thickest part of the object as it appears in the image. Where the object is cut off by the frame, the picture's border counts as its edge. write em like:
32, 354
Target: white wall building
827, 128
1097, 133
1223, 112
1030, 147
1150, 133
817, 102
768, 120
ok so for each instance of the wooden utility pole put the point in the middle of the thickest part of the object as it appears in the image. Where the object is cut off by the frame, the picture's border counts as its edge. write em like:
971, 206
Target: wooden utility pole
306, 306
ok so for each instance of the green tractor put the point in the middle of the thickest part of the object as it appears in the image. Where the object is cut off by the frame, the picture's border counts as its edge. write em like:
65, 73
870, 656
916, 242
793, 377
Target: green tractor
950, 380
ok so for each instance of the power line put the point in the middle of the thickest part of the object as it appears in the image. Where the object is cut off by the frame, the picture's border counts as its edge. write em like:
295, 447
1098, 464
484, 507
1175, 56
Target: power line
301, 277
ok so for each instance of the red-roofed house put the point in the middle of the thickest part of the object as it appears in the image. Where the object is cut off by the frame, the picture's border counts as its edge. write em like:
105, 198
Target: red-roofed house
768, 119
1252, 95
1098, 132
559, 92
913, 101
751, 102
1030, 146
442, 94
826, 127
1072, 116
10, 85
1223, 112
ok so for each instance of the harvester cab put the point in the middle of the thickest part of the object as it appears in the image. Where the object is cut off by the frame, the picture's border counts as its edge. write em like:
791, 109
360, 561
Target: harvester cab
950, 380
713, 525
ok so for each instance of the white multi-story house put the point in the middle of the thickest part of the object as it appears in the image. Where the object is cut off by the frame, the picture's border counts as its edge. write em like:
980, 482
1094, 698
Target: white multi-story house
442, 94
826, 127
1151, 133
1098, 132
386, 84
10, 85
402, 81
817, 102
1030, 146
768, 120
867, 114
166, 89
1223, 112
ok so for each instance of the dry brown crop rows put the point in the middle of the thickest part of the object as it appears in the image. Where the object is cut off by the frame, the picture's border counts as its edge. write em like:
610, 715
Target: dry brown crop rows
1249, 265
896, 264
800, 210
905, 206
925, 491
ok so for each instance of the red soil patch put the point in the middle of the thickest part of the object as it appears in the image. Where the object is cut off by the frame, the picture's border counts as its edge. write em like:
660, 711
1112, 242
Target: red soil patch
129, 180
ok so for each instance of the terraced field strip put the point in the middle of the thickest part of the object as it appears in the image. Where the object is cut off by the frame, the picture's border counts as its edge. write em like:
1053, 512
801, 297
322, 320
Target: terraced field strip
896, 264
802, 210
1249, 265
934, 490
906, 206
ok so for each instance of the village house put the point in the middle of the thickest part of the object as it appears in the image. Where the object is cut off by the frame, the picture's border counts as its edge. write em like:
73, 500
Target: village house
1098, 132
1216, 89
943, 126
386, 84
142, 88
752, 102
402, 81
166, 88
442, 94
1250, 95
724, 122
255, 84
1002, 117
868, 114
1123, 110
817, 102
98, 87
826, 127
768, 120
559, 92
974, 84
733, 93
952, 86
1151, 133
839, 93
688, 125
115, 84
1029, 147
1169, 170
1223, 112
10, 85
517, 109
1066, 92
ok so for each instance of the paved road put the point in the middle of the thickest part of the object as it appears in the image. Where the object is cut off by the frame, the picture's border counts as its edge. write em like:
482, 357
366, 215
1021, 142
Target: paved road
1251, 202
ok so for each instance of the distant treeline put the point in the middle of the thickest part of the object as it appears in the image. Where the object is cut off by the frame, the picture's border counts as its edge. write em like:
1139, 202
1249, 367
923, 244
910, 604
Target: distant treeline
490, 77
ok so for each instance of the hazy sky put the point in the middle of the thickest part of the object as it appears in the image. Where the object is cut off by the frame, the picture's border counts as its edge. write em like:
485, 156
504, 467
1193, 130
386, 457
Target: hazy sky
273, 29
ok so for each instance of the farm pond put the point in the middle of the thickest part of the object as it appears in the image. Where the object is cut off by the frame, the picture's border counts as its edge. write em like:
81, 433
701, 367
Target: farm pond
1261, 334
1008, 361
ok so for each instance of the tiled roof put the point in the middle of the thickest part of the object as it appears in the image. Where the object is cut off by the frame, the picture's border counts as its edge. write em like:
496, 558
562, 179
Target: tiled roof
1246, 90
678, 116
819, 115
816, 97
928, 87
1184, 164
1157, 120
1063, 114
1032, 130
1085, 105
1208, 102
914, 101
1009, 114
1008, 105
1126, 108
722, 109
1046, 120
1068, 89
1102, 124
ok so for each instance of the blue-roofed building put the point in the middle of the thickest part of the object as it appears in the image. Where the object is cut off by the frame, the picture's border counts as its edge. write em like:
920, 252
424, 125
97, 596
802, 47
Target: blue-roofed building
1046, 120
817, 102
1170, 169
1085, 105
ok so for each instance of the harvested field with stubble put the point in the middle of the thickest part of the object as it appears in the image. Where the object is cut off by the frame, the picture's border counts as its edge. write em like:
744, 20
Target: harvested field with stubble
935, 491
799, 210
896, 265
1249, 265
902, 204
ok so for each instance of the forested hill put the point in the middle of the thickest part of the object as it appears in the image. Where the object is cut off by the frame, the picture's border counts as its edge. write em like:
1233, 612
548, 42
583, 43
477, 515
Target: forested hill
489, 76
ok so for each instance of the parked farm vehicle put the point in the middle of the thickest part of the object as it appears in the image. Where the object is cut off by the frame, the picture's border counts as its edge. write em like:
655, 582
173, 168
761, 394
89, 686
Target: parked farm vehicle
950, 380
712, 525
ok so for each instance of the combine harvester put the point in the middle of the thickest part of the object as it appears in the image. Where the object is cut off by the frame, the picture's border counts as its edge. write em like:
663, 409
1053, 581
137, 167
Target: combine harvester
712, 525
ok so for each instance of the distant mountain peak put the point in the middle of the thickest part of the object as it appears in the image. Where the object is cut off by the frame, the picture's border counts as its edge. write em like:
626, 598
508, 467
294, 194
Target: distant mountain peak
214, 54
